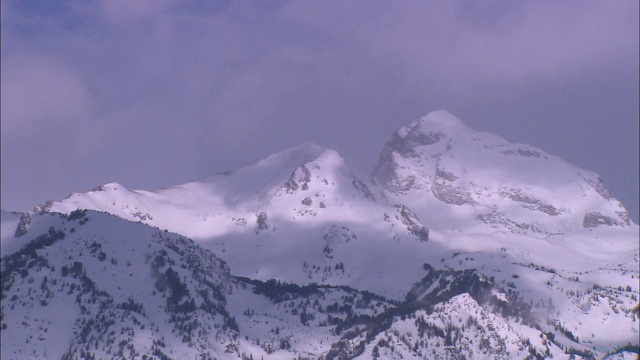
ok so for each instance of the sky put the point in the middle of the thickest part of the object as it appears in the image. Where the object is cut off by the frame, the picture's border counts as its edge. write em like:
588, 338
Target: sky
155, 93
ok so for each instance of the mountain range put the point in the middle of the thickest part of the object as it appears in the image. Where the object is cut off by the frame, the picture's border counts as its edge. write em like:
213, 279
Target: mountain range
460, 245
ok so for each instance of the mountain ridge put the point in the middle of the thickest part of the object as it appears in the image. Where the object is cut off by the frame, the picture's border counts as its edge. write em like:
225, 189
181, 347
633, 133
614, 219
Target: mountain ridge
181, 301
315, 262
444, 165
304, 209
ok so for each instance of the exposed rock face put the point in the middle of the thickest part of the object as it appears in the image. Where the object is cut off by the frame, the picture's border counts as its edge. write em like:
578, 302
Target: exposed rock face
523, 152
499, 220
363, 189
299, 179
25, 220
529, 202
406, 145
40, 209
447, 173
408, 218
594, 219
261, 222
450, 194
598, 186
441, 285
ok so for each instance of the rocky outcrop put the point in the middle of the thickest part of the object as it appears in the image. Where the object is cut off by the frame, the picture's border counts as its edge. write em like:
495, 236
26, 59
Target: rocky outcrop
595, 219
444, 170
529, 202
261, 222
451, 194
408, 218
25, 220
299, 180
363, 189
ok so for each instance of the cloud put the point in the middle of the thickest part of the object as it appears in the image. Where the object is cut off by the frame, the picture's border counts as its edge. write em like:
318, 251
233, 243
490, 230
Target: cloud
120, 12
480, 41
227, 82
36, 91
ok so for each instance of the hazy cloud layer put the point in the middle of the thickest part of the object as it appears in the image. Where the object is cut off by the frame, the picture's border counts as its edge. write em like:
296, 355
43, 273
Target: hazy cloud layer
156, 93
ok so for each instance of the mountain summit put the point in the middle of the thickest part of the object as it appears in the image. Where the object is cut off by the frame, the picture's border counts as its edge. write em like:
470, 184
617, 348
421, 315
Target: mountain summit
284, 217
455, 177
296, 183
461, 245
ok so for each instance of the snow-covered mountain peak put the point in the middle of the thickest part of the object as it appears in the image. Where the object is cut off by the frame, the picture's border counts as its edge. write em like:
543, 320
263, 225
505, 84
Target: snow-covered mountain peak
112, 186
304, 184
449, 173
267, 175
442, 120
430, 130
295, 156
471, 247
247, 189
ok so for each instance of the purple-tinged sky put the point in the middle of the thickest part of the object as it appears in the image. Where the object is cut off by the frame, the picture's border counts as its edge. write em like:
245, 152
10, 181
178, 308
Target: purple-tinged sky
156, 93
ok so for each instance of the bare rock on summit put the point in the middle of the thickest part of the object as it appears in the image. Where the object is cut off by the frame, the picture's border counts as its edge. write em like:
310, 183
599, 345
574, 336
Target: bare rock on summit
449, 174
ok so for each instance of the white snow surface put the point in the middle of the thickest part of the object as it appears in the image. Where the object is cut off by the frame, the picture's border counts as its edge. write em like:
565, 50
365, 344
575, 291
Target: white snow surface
457, 178
316, 215
531, 221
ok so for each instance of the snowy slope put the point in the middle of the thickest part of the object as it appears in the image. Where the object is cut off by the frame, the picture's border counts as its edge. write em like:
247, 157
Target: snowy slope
226, 202
455, 177
446, 203
91, 285
455, 328
297, 216
86, 283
